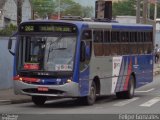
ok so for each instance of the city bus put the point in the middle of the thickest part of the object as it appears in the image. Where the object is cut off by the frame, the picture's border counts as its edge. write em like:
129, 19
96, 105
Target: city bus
83, 60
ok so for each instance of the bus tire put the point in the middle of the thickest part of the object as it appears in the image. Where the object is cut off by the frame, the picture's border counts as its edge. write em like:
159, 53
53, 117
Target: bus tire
91, 98
39, 100
130, 92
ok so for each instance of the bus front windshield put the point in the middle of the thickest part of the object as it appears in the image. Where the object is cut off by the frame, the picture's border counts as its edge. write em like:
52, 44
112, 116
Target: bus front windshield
47, 53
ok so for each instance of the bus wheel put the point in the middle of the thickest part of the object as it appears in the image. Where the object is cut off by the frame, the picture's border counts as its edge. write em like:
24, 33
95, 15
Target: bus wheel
130, 92
39, 100
91, 98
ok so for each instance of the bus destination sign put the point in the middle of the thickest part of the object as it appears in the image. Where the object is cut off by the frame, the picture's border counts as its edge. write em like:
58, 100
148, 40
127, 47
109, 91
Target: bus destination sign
47, 28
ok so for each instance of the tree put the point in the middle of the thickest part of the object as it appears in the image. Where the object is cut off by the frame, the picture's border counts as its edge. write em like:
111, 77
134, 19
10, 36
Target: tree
152, 11
69, 7
43, 7
127, 7
87, 11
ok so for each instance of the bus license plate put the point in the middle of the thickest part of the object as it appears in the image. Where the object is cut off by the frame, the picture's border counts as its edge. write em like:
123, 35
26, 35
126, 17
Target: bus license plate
44, 89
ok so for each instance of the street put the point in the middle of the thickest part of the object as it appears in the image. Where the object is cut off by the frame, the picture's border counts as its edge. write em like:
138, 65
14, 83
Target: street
146, 100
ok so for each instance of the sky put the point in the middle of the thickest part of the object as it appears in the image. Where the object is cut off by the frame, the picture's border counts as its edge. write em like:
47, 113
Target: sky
86, 2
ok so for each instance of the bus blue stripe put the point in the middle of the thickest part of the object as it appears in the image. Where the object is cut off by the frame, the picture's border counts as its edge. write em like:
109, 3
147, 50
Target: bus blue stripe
132, 27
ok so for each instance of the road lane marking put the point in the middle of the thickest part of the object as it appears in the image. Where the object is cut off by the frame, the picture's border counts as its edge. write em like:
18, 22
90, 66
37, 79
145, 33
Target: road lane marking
150, 102
145, 91
5, 102
98, 107
126, 102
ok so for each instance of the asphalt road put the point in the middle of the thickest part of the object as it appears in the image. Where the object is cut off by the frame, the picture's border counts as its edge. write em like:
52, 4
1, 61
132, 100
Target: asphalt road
146, 100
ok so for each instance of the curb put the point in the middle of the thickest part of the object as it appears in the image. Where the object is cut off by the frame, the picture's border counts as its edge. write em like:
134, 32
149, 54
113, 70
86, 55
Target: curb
156, 73
20, 101
7, 102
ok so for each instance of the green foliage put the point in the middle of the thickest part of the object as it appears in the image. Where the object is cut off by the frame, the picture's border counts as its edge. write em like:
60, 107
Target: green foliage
8, 30
152, 11
87, 11
67, 7
43, 7
70, 7
126, 7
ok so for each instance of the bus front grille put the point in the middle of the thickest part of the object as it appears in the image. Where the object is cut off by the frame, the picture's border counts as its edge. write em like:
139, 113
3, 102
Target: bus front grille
50, 91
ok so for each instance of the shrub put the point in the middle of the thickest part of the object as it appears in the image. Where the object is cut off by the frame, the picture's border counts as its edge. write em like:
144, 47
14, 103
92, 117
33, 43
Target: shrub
8, 30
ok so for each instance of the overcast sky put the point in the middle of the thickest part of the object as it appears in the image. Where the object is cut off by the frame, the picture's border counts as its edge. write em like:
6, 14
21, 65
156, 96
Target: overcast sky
86, 2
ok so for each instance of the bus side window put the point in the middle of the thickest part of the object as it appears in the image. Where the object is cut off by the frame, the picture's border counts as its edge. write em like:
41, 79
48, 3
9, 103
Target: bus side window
148, 43
114, 36
98, 42
87, 38
106, 44
107, 36
87, 35
123, 37
98, 36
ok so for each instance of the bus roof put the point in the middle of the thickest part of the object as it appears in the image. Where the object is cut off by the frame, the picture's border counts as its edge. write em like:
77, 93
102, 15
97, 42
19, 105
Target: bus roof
98, 25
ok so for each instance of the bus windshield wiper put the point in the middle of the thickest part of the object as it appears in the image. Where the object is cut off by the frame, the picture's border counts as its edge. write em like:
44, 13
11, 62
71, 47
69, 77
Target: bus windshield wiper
58, 49
50, 50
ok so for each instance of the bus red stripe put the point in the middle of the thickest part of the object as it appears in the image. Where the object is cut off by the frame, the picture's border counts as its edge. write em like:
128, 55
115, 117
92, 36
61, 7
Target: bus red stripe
128, 75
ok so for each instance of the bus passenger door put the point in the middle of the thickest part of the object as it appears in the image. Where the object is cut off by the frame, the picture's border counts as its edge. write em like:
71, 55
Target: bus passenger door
85, 55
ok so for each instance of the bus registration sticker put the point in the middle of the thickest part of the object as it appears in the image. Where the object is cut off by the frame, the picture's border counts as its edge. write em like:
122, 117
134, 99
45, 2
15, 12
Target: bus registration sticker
31, 66
61, 67
44, 89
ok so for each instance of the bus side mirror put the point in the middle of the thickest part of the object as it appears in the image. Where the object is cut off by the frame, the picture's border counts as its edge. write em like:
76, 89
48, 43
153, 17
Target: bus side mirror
10, 43
10, 46
82, 52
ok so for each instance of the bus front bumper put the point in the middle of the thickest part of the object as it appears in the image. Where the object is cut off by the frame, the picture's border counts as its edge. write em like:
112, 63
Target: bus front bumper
67, 90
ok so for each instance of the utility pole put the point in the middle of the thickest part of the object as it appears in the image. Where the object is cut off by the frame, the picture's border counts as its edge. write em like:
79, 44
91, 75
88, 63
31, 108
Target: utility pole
155, 11
19, 12
138, 11
149, 7
59, 9
145, 6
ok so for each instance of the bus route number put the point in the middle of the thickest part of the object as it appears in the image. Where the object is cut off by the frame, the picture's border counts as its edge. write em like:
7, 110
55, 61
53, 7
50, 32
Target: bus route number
29, 28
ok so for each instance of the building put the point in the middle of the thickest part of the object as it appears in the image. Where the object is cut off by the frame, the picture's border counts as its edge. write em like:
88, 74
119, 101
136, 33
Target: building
8, 12
126, 19
26, 10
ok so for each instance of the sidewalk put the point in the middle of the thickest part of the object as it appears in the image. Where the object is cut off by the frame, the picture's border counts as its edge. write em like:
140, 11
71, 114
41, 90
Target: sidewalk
8, 96
156, 69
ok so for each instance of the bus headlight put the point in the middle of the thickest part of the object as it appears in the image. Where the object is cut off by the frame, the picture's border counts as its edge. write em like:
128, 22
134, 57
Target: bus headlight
20, 79
69, 81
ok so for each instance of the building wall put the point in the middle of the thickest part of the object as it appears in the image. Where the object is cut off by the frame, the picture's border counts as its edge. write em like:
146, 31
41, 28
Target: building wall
1, 20
26, 10
10, 10
6, 65
126, 19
